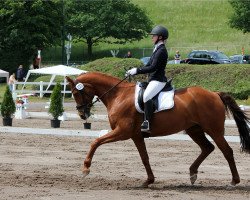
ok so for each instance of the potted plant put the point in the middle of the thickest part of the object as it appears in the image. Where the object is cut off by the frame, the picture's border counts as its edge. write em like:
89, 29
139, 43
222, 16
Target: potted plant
87, 125
8, 107
56, 106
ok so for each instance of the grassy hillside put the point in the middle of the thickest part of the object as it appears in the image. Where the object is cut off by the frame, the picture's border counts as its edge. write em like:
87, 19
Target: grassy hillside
193, 24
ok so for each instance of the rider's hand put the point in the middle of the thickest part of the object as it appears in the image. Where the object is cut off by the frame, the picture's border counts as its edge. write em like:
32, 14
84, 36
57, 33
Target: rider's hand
131, 72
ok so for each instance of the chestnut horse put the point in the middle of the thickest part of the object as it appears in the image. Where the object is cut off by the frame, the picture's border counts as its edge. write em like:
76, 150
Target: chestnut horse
197, 111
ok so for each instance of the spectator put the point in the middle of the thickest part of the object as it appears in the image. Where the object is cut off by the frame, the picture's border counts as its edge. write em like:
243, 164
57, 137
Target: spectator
177, 57
128, 55
20, 73
36, 62
12, 81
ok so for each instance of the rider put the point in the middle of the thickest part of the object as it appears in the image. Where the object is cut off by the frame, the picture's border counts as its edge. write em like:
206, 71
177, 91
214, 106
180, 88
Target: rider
156, 69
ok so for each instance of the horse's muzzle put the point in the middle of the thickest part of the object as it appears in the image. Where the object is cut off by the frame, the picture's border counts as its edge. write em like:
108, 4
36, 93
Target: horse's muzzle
84, 115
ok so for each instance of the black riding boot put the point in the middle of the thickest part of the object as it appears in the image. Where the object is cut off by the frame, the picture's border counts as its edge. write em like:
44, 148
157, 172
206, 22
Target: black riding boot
148, 111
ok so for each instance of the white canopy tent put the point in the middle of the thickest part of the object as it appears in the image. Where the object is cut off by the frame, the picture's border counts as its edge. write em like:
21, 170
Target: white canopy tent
4, 74
58, 70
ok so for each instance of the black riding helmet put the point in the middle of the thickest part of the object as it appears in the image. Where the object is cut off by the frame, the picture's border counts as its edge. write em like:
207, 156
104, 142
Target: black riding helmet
160, 31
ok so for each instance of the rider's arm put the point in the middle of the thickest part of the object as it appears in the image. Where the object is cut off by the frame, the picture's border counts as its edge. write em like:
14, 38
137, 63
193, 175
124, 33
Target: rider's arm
157, 59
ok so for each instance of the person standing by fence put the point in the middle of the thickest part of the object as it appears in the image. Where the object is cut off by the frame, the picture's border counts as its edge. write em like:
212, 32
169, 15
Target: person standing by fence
177, 57
128, 55
36, 62
12, 81
20, 74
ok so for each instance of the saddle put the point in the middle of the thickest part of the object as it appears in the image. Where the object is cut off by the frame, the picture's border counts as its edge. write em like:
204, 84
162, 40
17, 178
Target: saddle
155, 101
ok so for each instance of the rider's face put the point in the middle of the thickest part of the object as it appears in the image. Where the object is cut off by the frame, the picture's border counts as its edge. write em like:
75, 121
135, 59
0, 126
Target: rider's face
154, 38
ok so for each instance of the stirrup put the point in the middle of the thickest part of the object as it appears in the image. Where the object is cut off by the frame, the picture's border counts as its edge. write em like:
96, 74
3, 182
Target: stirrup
145, 126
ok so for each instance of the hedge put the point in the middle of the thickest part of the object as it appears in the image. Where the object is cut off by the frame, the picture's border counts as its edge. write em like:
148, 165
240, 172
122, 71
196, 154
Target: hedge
231, 78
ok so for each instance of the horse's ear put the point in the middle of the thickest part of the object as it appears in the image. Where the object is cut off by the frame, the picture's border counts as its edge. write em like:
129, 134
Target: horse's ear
70, 81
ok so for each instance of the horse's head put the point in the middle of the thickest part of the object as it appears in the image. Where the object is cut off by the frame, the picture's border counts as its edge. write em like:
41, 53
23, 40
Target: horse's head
83, 94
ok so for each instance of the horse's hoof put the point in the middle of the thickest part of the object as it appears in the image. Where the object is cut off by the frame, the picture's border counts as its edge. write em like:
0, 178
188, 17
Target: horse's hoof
231, 186
144, 185
85, 172
193, 178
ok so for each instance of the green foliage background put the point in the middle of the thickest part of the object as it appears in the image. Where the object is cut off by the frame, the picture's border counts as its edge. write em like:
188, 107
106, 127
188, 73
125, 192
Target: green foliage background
27, 26
8, 107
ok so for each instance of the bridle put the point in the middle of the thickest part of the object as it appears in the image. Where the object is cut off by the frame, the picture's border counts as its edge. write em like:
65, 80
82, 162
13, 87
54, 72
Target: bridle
87, 107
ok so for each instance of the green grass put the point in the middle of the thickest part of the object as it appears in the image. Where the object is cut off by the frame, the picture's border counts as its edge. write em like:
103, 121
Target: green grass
192, 24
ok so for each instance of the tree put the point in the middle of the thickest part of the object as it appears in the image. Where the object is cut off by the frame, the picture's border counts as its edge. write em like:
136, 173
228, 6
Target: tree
241, 16
8, 106
25, 27
110, 21
56, 104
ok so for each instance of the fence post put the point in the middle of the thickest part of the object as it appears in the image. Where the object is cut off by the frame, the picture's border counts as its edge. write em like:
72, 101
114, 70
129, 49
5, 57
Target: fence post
41, 89
14, 94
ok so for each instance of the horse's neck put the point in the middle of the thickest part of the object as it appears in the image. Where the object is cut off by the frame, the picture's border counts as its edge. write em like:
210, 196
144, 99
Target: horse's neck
105, 93
106, 89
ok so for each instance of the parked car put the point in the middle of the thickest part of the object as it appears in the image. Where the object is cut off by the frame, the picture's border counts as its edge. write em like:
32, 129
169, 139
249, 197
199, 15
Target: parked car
246, 59
240, 59
173, 62
207, 57
145, 60
236, 59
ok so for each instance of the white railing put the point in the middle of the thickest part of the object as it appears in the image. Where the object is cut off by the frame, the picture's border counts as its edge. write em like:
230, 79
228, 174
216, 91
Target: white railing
17, 88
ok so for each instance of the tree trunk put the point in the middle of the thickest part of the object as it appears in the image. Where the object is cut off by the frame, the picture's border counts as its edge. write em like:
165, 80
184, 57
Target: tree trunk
90, 44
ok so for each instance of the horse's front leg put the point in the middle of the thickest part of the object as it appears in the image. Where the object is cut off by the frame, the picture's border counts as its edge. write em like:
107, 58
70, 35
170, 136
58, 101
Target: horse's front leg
112, 136
140, 144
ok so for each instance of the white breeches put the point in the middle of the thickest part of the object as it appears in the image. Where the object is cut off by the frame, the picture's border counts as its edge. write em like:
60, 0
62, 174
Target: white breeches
153, 88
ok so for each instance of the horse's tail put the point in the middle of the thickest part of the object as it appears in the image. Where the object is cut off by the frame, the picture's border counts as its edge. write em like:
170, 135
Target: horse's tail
240, 118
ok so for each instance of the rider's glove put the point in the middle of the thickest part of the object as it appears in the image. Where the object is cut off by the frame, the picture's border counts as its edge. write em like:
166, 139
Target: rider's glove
131, 72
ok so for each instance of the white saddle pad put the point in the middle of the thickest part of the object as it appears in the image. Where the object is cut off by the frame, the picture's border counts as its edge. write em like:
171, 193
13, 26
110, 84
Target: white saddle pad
165, 100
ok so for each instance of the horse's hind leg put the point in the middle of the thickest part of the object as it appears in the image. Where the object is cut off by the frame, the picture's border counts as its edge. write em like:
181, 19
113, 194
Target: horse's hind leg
228, 154
198, 136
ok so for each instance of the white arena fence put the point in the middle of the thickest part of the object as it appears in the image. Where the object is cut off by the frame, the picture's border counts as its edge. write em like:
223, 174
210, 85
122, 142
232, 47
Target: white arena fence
17, 88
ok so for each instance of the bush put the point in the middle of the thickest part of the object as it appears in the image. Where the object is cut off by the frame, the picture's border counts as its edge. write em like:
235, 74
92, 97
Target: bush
113, 66
8, 106
230, 78
56, 104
